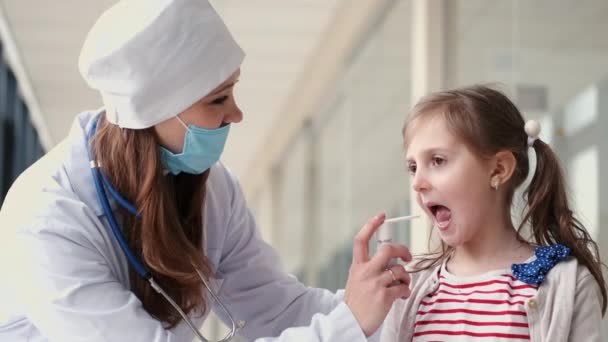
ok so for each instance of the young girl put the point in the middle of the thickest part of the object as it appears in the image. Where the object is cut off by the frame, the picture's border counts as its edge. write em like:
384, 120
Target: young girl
467, 153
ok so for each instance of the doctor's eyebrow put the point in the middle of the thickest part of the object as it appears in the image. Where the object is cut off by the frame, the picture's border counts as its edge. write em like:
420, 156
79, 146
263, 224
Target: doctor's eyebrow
227, 86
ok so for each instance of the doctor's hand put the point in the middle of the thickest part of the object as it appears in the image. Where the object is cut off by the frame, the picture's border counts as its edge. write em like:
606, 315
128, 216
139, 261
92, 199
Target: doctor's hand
371, 289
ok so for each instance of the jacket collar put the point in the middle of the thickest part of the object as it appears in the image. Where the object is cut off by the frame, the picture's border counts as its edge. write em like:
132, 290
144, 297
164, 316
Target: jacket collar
78, 166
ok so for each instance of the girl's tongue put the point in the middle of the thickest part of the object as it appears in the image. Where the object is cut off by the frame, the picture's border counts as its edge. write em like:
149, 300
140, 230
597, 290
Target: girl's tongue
443, 216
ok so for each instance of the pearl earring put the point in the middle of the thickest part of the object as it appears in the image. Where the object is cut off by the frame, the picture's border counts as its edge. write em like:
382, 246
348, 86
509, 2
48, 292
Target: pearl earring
495, 183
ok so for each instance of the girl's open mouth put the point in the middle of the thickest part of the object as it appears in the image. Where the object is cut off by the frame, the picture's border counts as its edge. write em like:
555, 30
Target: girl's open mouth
442, 215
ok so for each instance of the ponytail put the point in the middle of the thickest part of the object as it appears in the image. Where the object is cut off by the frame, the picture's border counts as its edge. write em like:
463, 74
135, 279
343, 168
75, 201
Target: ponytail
551, 218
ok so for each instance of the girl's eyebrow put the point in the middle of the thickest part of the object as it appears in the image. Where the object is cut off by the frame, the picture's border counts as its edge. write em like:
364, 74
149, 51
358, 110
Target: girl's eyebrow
431, 150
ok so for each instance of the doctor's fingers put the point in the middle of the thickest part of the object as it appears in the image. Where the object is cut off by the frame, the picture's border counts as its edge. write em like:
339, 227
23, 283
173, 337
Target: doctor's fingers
398, 291
395, 274
387, 252
361, 242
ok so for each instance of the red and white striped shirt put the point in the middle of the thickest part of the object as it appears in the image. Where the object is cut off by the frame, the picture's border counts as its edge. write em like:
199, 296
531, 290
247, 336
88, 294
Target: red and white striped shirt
488, 307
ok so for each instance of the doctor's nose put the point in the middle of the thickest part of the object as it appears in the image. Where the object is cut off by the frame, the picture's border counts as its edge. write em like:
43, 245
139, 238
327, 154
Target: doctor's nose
235, 115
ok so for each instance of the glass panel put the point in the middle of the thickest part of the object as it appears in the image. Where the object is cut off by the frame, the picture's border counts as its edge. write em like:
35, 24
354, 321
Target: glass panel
359, 150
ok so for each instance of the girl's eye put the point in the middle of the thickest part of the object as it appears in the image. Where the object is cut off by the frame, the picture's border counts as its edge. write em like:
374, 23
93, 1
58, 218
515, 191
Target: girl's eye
219, 100
438, 161
411, 169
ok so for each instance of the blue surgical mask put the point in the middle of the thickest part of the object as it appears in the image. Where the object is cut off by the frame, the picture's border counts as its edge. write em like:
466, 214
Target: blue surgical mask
202, 148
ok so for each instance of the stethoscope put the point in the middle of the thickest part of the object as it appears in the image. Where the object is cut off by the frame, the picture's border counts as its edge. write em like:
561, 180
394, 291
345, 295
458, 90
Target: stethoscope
100, 181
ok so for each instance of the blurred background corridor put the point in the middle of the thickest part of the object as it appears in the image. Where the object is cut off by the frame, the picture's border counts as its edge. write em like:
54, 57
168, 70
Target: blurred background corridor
325, 89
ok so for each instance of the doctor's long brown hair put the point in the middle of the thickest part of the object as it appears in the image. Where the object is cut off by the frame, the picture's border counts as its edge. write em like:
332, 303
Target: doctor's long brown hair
488, 122
168, 237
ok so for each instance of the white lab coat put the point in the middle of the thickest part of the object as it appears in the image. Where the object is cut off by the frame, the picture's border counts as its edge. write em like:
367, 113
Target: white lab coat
65, 279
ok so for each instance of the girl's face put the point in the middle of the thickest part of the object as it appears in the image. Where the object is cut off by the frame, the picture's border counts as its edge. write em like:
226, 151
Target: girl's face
452, 183
215, 110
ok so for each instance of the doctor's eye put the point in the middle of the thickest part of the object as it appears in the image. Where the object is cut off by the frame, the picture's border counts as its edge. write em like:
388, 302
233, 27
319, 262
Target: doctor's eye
219, 100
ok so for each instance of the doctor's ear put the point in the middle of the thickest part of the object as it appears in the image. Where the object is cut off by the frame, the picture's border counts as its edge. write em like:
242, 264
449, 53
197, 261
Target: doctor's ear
503, 166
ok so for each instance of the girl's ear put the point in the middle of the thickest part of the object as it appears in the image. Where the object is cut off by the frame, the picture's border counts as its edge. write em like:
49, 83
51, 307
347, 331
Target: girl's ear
503, 166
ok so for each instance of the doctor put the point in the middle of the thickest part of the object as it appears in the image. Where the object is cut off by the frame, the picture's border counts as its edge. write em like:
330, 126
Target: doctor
131, 230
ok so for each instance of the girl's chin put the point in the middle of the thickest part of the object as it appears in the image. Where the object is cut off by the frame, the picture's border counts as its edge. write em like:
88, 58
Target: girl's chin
453, 244
448, 237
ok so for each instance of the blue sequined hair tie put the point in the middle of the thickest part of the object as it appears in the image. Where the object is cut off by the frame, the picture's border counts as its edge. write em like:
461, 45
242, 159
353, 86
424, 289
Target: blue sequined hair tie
534, 272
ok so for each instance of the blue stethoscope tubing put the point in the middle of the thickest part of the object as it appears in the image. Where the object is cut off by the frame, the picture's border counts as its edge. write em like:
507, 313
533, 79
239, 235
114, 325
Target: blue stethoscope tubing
101, 184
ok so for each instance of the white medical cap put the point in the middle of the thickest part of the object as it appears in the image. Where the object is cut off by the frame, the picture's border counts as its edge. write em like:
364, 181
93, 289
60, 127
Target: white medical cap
152, 59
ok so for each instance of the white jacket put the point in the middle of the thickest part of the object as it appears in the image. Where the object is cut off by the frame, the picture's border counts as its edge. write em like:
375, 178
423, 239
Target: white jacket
566, 307
65, 279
